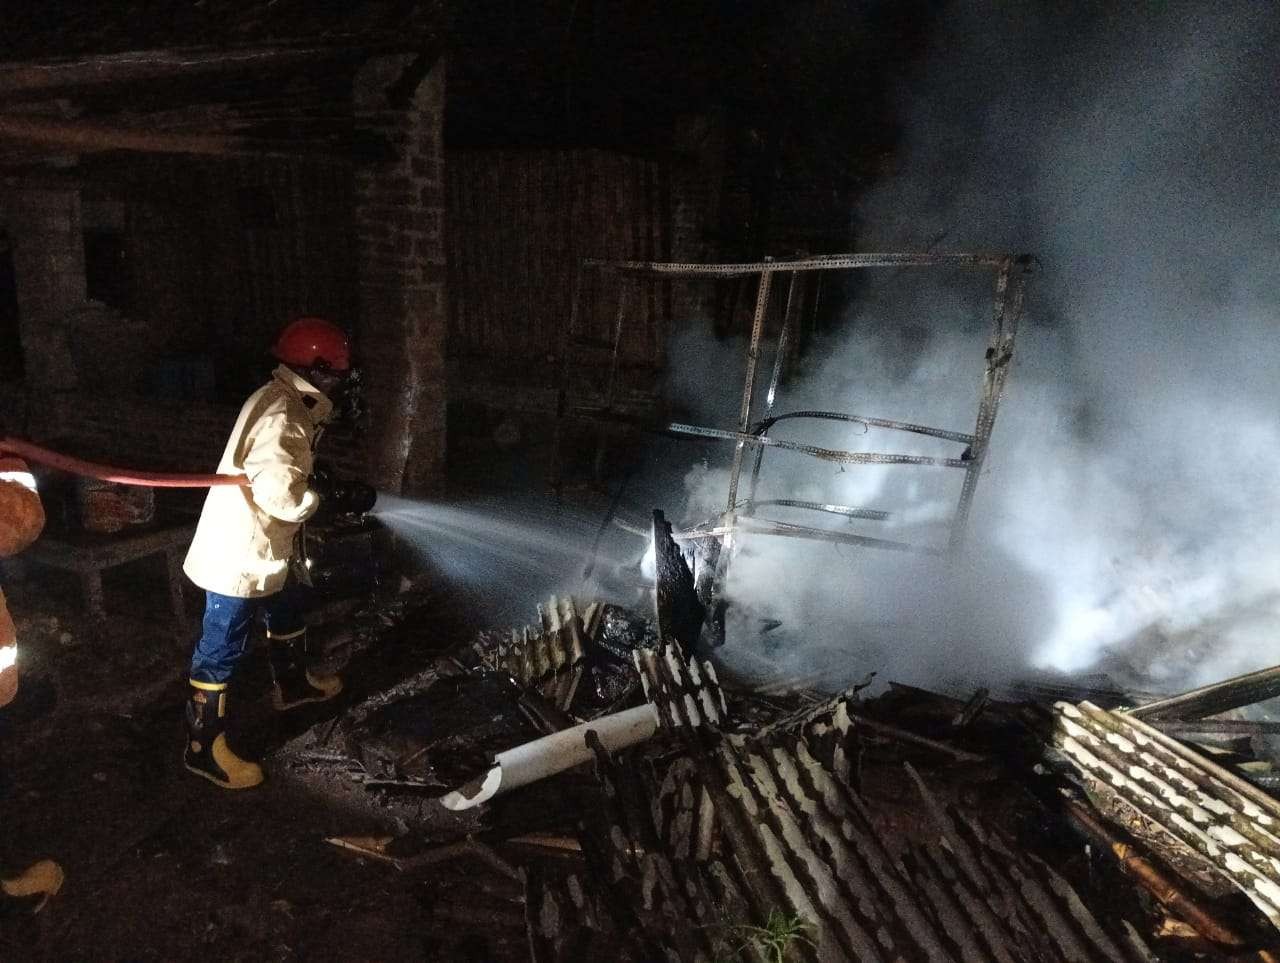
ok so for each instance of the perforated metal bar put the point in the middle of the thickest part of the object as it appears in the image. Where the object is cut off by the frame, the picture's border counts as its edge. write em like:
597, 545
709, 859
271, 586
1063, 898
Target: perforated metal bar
749, 385
830, 262
1004, 329
825, 454
779, 360
747, 525
956, 436
848, 511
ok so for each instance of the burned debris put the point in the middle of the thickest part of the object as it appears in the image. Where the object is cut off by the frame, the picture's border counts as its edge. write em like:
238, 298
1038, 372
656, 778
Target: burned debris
611, 795
680, 612
1212, 824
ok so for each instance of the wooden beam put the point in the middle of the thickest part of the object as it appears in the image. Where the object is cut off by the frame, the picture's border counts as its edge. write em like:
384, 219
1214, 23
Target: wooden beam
1209, 700
84, 137
28, 79
1183, 728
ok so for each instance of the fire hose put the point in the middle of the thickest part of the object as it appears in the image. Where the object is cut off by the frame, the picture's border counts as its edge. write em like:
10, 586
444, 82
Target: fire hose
341, 496
108, 473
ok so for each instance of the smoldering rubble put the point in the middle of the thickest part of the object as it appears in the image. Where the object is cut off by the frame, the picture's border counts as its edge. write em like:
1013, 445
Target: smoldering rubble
604, 787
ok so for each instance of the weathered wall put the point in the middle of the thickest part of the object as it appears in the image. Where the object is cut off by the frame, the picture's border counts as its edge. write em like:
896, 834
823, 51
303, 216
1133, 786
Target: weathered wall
403, 327
211, 281
519, 223
222, 252
48, 261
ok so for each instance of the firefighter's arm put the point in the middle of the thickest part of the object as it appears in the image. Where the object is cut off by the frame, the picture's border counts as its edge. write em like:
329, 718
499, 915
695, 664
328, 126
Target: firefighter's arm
277, 464
21, 514
8, 656
21, 520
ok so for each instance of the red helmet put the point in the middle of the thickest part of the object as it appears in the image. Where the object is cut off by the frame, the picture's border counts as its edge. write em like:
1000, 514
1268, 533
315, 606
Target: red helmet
308, 341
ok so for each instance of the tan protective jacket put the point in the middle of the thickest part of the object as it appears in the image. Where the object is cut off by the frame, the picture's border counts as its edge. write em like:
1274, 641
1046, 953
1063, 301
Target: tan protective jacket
244, 540
21, 521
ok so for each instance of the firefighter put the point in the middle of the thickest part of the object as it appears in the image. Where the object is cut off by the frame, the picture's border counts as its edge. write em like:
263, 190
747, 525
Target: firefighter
21, 521
245, 540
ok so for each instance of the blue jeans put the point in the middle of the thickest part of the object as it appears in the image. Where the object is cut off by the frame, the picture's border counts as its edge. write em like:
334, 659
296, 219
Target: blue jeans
227, 622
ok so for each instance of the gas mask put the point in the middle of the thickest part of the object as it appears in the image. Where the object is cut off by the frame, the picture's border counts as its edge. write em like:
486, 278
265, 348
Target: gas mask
348, 399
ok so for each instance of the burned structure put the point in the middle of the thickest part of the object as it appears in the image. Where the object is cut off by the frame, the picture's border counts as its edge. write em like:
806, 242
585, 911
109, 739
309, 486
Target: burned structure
753, 432
712, 544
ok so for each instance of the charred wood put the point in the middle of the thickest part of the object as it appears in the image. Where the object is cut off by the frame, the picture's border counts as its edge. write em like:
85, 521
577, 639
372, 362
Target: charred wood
80, 136
680, 613
1209, 700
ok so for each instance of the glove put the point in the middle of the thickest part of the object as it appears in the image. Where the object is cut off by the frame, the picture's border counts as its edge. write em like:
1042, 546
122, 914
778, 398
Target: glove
353, 498
322, 480
340, 496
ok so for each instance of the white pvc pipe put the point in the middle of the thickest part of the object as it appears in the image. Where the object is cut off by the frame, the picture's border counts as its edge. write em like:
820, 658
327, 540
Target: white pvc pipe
554, 754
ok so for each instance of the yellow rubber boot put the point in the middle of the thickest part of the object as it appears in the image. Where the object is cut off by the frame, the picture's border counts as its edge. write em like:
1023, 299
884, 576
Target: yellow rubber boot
36, 884
207, 753
295, 684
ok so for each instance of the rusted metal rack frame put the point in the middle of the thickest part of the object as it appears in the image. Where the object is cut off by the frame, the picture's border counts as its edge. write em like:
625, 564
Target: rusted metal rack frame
1010, 284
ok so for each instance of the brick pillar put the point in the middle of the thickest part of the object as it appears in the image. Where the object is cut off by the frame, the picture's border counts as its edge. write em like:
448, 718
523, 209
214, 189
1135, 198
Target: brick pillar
403, 323
48, 264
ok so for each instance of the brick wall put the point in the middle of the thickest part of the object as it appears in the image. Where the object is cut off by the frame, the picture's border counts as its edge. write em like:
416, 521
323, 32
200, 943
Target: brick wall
48, 262
69, 397
398, 273
185, 437
399, 214
135, 432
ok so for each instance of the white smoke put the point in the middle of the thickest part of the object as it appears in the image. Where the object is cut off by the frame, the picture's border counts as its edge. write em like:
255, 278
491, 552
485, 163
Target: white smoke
845, 610
1129, 512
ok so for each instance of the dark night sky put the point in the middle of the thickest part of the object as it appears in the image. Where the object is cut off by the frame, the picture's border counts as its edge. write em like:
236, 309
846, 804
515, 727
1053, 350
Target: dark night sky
807, 80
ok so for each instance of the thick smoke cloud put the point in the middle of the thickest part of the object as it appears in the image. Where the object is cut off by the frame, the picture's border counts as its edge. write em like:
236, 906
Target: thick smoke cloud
1129, 514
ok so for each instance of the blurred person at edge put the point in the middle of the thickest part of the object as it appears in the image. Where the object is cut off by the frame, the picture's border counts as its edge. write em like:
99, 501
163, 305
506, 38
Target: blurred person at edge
246, 540
21, 521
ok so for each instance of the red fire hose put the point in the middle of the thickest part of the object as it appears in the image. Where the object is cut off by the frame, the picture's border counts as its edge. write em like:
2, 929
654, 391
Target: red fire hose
107, 473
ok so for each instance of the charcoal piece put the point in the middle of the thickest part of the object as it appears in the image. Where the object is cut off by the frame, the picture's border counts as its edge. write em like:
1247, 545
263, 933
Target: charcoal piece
680, 613
444, 734
607, 688
621, 633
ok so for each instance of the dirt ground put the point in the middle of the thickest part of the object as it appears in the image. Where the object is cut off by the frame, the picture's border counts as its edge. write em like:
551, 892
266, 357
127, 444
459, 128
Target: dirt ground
161, 865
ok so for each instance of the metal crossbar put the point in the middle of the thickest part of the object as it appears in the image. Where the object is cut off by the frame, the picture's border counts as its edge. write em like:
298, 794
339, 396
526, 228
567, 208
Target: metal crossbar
827, 262
836, 455
959, 436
